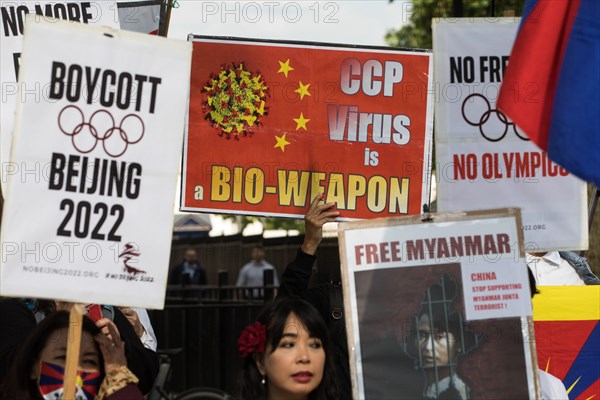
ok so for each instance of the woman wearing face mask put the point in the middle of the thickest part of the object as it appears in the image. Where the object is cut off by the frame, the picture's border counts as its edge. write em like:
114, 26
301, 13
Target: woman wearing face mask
38, 369
287, 355
19, 317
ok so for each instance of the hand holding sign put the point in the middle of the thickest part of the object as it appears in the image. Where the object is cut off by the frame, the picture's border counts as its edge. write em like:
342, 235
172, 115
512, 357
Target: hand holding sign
112, 348
317, 215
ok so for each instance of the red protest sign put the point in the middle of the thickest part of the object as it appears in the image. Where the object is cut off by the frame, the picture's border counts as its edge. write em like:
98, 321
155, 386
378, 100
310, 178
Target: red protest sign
271, 125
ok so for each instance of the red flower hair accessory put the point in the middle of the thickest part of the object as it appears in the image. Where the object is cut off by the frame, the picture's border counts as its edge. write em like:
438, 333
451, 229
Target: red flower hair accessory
252, 339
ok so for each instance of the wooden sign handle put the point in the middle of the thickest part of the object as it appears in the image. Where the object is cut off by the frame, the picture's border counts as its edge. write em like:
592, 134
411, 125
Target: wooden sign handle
73, 346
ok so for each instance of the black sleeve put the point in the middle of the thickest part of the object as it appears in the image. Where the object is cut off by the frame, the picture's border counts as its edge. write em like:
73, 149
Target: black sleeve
320, 297
17, 323
141, 361
295, 280
296, 276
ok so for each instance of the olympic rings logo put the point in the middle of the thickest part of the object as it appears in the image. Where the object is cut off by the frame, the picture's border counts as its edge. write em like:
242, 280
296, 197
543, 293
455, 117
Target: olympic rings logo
101, 127
492, 129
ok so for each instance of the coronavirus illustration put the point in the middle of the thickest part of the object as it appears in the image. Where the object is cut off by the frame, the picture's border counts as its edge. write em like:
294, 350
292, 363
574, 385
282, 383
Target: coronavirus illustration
235, 101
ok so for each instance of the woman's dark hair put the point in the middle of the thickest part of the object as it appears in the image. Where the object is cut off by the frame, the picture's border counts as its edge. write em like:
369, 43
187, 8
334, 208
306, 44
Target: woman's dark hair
18, 383
274, 316
532, 286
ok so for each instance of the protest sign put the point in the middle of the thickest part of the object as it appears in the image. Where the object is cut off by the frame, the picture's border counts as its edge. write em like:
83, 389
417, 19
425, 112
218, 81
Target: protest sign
11, 42
438, 305
98, 230
141, 16
273, 124
483, 159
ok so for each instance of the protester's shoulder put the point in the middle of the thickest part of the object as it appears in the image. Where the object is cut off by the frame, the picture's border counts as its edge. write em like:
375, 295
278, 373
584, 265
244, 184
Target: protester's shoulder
7, 303
178, 267
11, 308
320, 296
552, 387
245, 267
268, 265
572, 257
549, 377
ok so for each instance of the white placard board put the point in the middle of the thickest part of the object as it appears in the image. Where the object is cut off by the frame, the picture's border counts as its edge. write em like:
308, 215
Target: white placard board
99, 228
465, 271
12, 24
483, 160
141, 16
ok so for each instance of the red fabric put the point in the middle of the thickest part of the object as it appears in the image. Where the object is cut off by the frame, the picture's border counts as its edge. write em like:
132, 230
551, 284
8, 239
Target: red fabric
591, 392
559, 343
530, 82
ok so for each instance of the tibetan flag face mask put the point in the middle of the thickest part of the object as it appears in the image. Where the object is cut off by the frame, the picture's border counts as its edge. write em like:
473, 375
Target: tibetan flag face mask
51, 383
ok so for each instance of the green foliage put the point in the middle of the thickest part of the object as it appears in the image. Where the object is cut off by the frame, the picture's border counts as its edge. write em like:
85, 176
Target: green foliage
283, 223
269, 223
241, 220
417, 32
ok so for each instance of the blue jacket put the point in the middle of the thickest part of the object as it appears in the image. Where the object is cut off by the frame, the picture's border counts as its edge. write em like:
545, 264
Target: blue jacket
580, 266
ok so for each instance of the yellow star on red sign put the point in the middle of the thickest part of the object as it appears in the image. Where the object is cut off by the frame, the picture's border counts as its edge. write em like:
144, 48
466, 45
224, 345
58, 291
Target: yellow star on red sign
285, 67
281, 142
301, 122
303, 90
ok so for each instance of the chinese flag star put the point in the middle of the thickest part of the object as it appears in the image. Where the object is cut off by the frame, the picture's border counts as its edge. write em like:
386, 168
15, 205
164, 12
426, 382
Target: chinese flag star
281, 142
285, 67
301, 122
303, 90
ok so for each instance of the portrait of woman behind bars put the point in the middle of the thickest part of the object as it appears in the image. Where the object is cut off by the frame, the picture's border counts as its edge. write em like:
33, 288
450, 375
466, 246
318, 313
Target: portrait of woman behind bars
437, 337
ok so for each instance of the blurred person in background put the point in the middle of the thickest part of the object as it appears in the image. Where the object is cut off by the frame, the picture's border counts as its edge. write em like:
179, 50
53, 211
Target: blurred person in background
252, 273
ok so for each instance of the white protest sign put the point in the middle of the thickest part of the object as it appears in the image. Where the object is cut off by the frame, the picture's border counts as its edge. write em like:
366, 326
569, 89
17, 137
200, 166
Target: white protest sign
483, 160
141, 16
494, 277
12, 23
99, 229
464, 273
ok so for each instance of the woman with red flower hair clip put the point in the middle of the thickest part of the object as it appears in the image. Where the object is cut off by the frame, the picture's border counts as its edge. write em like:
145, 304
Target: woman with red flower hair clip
287, 355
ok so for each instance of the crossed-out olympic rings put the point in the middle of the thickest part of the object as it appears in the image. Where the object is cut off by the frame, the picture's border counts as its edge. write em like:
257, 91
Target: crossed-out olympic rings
494, 136
100, 128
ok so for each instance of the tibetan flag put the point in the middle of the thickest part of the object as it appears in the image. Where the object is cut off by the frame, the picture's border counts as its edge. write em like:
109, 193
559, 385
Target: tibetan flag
567, 333
52, 377
551, 86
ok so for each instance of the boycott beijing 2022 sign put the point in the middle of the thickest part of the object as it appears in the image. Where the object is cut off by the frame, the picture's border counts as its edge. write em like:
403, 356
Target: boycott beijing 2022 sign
99, 229
483, 158
271, 125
